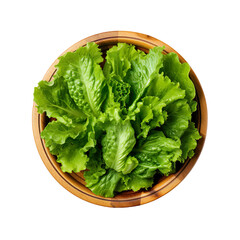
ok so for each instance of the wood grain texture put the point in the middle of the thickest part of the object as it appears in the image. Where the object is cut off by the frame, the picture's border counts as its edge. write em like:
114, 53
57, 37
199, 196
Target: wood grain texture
74, 182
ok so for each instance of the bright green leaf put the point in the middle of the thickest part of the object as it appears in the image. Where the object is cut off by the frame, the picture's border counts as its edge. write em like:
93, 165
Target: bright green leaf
54, 99
117, 144
84, 77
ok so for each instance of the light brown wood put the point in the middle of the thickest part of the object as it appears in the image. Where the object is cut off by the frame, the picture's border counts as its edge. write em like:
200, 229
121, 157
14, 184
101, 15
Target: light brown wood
74, 182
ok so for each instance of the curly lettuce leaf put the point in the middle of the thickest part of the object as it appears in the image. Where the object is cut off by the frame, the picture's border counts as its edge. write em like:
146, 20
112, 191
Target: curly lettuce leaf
156, 154
107, 184
70, 152
121, 91
54, 99
117, 144
118, 60
189, 141
166, 90
179, 72
143, 70
56, 134
95, 167
149, 114
163, 161
179, 115
72, 158
157, 106
135, 181
71, 143
84, 77
141, 117
130, 164
157, 143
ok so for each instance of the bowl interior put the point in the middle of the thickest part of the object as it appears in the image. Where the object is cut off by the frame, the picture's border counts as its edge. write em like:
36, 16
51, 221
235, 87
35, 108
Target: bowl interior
74, 182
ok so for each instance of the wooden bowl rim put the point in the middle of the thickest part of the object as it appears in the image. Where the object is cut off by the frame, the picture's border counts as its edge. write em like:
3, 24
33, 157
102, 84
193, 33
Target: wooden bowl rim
141, 197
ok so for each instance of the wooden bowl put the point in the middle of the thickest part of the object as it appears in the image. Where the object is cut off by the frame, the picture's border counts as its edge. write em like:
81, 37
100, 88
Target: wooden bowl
74, 182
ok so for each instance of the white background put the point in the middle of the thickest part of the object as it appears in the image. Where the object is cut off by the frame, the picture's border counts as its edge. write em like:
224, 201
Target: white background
206, 205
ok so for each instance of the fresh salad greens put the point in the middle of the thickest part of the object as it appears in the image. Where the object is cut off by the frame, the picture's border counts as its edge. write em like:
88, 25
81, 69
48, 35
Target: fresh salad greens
124, 124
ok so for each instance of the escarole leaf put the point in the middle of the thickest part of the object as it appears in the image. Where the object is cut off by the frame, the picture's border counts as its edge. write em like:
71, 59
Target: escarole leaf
143, 70
179, 73
156, 142
99, 180
117, 144
179, 115
189, 141
151, 111
107, 184
156, 105
142, 115
166, 90
95, 167
136, 180
130, 164
149, 114
120, 92
158, 152
118, 62
54, 99
56, 134
84, 77
72, 158
70, 143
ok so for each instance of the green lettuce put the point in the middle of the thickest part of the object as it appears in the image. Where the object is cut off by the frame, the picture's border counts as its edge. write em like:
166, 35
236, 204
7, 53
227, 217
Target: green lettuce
117, 144
118, 63
54, 99
84, 77
148, 115
189, 141
125, 124
179, 73
179, 115
143, 70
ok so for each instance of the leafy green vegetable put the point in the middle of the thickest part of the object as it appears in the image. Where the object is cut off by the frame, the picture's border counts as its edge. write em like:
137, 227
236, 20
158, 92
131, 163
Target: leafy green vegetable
189, 141
95, 167
107, 184
72, 158
166, 90
149, 115
143, 70
178, 73
179, 115
56, 134
125, 124
84, 77
118, 60
54, 99
117, 144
